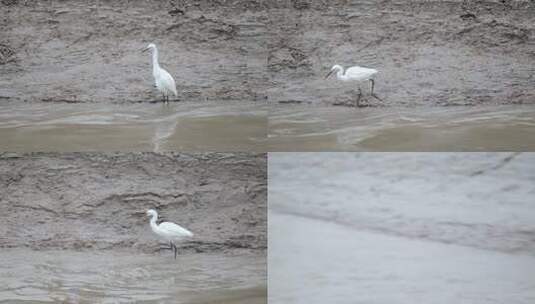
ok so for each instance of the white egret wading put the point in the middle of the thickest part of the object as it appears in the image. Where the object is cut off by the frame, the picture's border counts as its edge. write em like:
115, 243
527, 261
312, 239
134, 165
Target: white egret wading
168, 232
355, 74
162, 79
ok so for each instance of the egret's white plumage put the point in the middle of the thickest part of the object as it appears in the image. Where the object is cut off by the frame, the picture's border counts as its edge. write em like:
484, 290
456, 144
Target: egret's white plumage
162, 79
167, 231
355, 74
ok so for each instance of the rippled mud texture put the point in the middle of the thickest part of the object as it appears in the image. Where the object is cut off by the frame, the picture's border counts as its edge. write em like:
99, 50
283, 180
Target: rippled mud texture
97, 201
79, 51
427, 52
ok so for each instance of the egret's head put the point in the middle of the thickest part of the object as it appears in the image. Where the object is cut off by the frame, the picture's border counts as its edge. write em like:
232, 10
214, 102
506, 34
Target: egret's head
152, 213
335, 68
151, 47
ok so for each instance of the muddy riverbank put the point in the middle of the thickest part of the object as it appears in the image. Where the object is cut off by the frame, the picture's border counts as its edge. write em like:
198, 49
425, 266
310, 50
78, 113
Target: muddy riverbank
96, 201
427, 52
81, 51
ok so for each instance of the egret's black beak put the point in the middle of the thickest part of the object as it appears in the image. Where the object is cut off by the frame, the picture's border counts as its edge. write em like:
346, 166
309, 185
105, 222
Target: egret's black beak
144, 50
329, 74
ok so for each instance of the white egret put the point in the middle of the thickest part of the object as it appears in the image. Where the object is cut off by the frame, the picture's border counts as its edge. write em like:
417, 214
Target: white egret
162, 79
166, 231
355, 74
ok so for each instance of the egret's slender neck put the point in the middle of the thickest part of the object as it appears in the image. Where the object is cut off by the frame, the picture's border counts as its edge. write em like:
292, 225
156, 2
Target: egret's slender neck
155, 64
340, 73
153, 222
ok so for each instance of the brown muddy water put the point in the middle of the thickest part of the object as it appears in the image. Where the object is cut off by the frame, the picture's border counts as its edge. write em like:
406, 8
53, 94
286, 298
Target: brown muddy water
68, 276
156, 127
138, 127
462, 128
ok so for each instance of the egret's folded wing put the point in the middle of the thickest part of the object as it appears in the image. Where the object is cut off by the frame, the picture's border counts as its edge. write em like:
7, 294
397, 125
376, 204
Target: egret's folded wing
174, 229
360, 72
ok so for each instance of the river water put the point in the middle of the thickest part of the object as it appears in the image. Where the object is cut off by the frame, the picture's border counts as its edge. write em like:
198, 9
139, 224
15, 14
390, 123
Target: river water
67, 276
462, 128
184, 126
259, 127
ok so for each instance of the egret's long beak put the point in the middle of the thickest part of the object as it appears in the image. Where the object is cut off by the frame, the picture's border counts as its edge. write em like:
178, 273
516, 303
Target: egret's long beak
329, 74
144, 50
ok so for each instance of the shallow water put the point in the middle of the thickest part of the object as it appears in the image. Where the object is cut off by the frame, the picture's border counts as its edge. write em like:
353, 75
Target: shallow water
28, 276
316, 261
463, 128
244, 127
133, 127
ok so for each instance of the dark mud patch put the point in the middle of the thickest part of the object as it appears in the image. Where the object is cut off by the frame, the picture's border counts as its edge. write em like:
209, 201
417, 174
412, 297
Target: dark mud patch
287, 57
291, 101
7, 54
93, 200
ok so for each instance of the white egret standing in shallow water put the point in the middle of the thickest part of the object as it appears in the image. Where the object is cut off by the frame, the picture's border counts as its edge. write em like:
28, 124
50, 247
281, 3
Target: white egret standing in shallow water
355, 74
166, 231
162, 79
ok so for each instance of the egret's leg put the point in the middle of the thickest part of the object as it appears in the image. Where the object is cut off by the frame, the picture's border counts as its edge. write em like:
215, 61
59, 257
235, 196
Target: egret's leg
176, 250
359, 96
372, 93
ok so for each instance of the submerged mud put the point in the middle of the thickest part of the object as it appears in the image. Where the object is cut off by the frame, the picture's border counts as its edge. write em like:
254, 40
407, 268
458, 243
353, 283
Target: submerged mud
97, 201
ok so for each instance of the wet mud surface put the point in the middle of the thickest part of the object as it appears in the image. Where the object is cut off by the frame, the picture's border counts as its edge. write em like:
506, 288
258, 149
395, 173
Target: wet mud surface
80, 51
97, 200
427, 52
